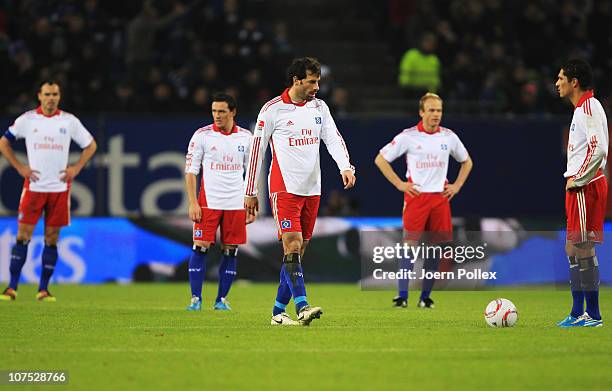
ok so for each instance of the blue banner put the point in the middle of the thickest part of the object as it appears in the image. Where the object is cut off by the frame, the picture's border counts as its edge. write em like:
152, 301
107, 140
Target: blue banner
92, 250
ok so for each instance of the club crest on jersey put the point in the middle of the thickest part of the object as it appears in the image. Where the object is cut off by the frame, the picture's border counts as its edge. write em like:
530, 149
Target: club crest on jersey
286, 224
260, 125
318, 120
197, 233
444, 147
573, 127
62, 130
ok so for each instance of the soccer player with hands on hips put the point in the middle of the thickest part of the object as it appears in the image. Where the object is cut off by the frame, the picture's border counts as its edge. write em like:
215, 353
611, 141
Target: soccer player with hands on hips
586, 190
427, 193
48, 132
220, 151
294, 124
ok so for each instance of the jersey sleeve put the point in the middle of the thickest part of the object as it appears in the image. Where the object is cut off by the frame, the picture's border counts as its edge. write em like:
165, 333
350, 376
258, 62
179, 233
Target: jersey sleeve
334, 142
396, 148
195, 154
261, 137
80, 134
457, 150
596, 148
247, 154
17, 130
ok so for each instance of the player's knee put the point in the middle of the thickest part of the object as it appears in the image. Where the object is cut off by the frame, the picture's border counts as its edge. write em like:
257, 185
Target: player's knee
24, 237
201, 244
570, 250
51, 237
583, 250
24, 233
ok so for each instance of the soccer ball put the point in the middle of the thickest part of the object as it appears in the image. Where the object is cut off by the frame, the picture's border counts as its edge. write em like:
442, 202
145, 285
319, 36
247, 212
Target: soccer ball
501, 313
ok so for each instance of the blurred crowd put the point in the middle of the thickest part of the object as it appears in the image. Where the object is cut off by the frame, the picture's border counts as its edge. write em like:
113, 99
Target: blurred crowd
150, 56
166, 56
505, 54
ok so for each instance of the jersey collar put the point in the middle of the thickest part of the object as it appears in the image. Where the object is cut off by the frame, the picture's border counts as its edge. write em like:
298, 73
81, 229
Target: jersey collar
287, 99
585, 96
39, 111
234, 129
421, 128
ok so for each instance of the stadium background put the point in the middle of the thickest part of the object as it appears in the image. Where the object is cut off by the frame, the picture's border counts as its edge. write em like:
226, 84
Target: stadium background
140, 75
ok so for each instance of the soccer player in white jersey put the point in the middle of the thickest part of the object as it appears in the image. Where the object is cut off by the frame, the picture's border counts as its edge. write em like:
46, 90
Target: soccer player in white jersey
294, 124
220, 151
586, 190
48, 132
427, 193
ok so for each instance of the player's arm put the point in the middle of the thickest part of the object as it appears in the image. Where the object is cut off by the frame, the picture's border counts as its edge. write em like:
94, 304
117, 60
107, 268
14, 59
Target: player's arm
386, 169
7, 151
596, 152
85, 140
193, 162
73, 170
250, 215
451, 189
337, 148
263, 131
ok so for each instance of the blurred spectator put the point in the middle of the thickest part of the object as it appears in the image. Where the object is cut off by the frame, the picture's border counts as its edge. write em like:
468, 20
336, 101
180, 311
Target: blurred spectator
340, 105
419, 70
339, 204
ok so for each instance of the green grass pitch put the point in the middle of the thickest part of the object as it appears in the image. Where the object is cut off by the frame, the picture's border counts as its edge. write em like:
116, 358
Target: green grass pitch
138, 336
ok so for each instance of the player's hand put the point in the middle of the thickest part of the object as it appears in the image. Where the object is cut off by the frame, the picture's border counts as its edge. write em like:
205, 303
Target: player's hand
251, 204
195, 212
69, 173
250, 217
408, 187
28, 173
569, 184
450, 190
348, 179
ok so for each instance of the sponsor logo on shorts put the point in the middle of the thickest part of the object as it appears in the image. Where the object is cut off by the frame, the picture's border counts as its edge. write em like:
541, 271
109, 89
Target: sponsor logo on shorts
285, 224
197, 233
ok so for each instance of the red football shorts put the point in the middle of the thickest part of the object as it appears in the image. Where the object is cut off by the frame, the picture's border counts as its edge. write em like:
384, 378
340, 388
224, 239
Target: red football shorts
427, 213
55, 205
232, 222
585, 208
294, 213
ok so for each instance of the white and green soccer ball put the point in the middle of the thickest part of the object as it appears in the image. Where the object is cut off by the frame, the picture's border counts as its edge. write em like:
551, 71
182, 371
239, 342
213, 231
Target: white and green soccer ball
501, 313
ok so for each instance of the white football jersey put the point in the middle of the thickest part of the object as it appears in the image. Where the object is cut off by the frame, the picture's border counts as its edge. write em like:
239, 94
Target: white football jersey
295, 132
47, 141
426, 155
587, 147
222, 158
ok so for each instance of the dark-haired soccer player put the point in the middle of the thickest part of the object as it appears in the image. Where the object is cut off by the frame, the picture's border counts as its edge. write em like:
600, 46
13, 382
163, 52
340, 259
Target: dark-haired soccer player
220, 150
48, 132
586, 190
427, 147
294, 124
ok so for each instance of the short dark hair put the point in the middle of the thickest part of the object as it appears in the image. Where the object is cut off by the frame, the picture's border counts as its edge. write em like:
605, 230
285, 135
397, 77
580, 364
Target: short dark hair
580, 70
300, 66
225, 97
50, 82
